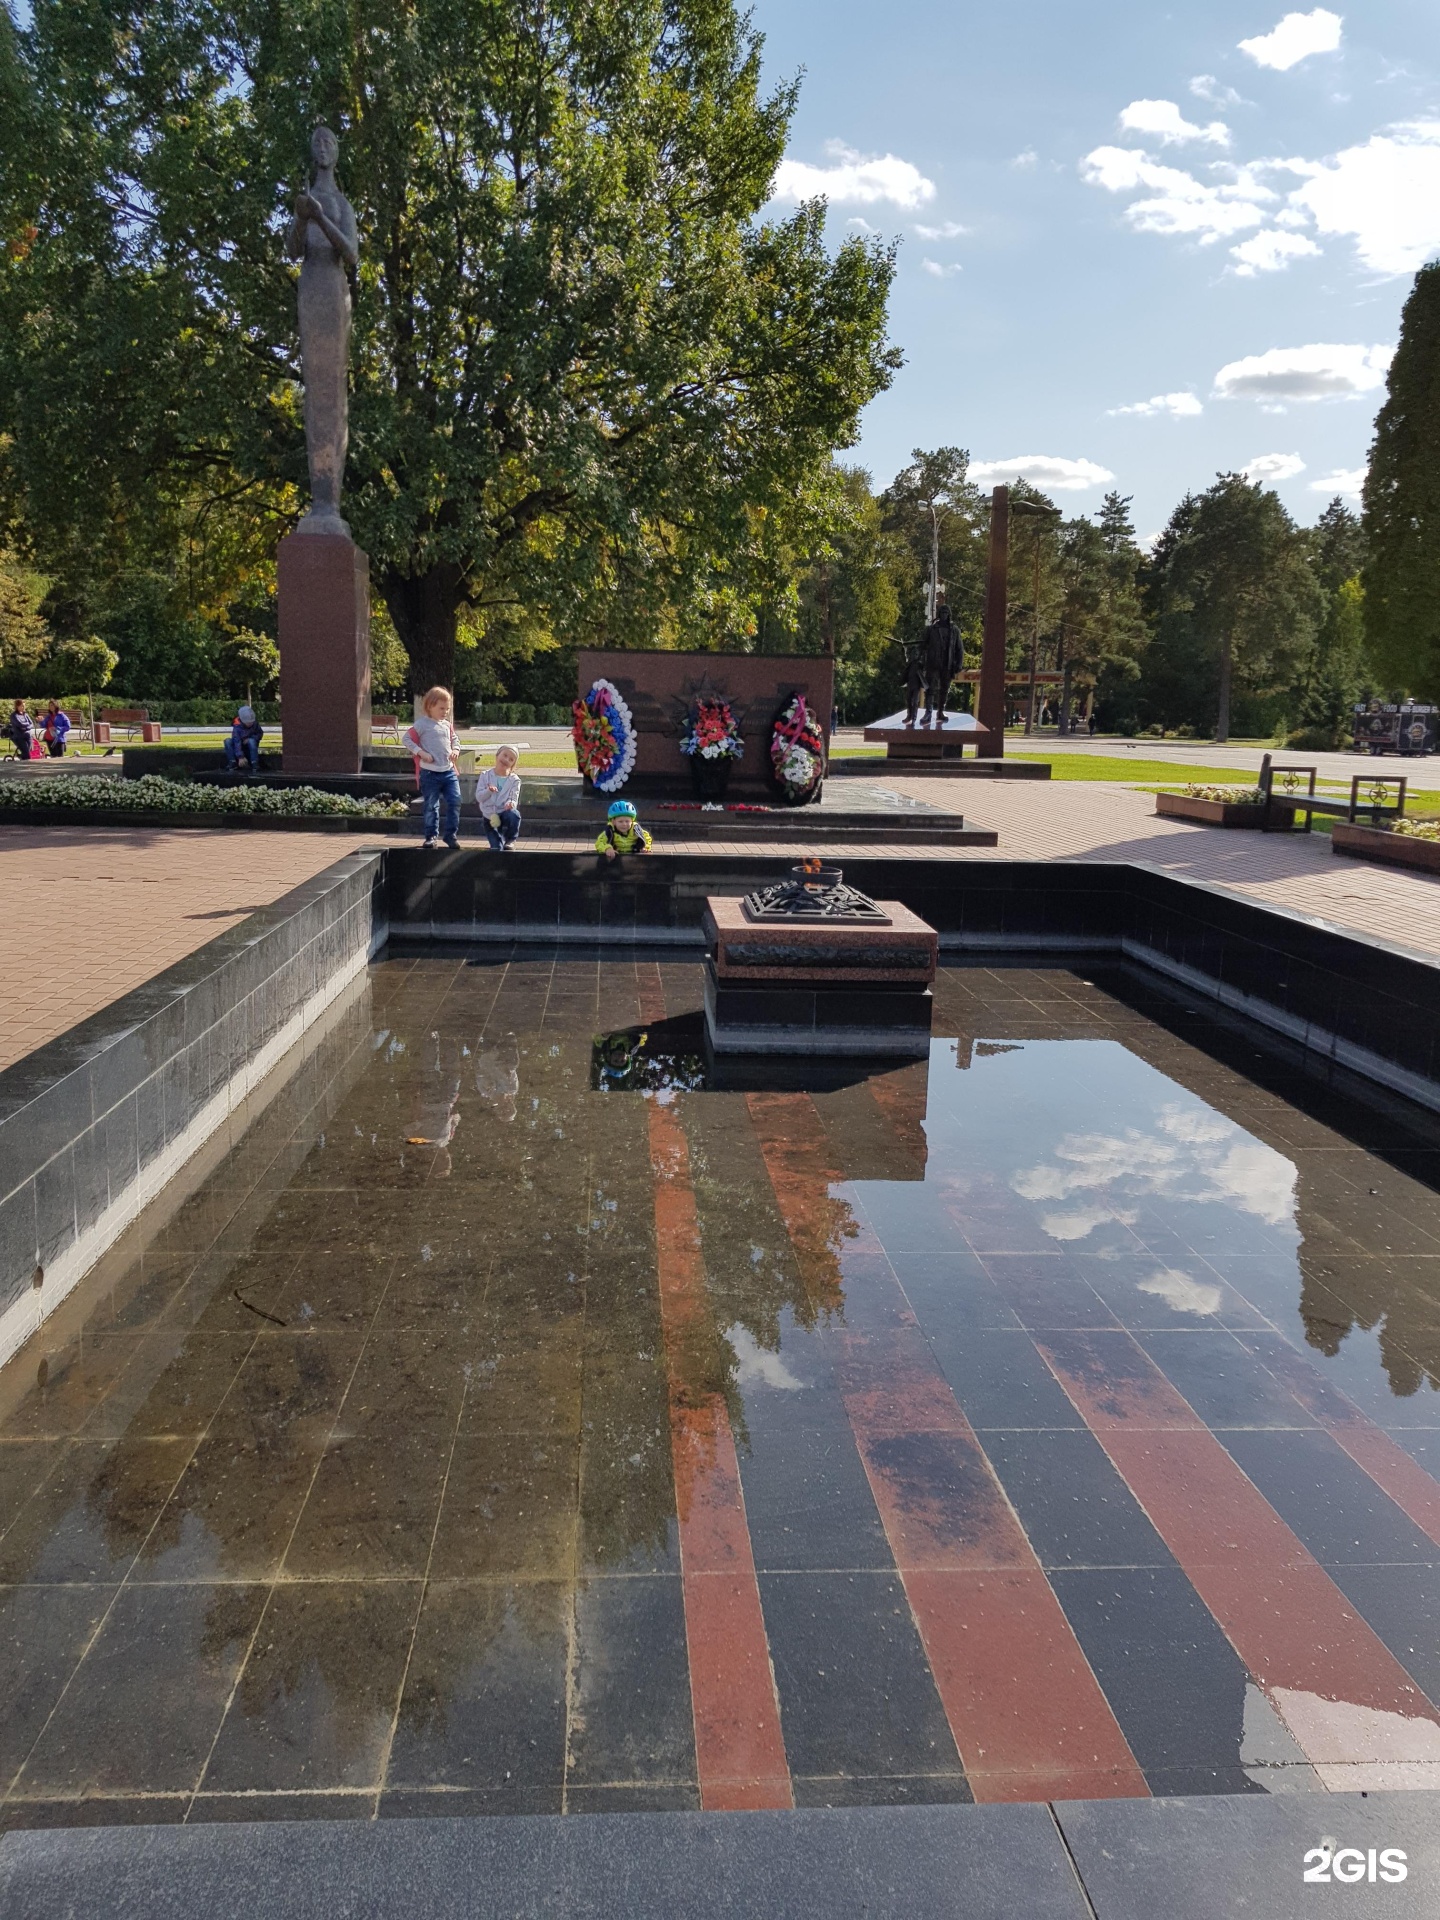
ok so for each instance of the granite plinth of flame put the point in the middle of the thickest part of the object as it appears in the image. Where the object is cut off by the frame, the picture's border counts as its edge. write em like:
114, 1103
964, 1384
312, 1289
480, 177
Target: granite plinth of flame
818, 987
904, 952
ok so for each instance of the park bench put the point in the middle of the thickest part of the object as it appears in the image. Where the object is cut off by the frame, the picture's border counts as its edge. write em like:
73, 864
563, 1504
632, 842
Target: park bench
131, 720
1282, 805
385, 726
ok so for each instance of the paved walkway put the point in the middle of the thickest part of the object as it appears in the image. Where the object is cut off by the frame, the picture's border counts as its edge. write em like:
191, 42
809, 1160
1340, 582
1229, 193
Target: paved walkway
94, 912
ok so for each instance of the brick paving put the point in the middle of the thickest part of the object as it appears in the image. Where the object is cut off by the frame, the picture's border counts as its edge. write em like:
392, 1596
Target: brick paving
96, 912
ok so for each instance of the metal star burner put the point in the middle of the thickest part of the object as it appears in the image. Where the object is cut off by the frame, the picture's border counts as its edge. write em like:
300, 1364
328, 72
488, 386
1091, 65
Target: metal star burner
814, 892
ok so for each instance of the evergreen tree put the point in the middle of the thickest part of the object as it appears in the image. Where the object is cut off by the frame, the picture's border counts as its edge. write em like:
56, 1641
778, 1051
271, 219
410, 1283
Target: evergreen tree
1402, 503
1239, 603
1336, 671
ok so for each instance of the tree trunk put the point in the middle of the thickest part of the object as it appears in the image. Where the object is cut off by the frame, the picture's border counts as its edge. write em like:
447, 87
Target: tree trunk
423, 607
1222, 723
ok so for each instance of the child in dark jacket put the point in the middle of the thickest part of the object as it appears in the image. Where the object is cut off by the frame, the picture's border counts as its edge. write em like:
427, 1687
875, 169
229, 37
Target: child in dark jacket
246, 733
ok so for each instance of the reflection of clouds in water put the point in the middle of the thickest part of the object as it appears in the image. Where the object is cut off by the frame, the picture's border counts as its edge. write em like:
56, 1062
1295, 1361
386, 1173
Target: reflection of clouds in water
755, 1366
1194, 1155
1081, 1221
1182, 1293
497, 1075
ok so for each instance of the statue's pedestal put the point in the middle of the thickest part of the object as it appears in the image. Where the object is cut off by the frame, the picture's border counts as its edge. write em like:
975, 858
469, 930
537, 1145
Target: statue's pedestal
324, 608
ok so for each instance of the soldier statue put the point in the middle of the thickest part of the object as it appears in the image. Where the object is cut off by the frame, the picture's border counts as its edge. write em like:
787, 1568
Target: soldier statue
943, 655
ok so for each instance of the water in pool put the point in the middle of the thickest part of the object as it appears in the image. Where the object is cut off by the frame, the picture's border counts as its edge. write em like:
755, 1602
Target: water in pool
515, 1419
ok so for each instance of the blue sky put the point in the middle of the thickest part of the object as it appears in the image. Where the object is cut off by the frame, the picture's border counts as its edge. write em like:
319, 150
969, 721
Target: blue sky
1130, 246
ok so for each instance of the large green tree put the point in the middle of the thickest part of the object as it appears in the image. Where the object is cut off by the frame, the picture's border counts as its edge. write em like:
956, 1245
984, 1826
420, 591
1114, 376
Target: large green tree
1402, 503
1239, 601
1338, 667
582, 364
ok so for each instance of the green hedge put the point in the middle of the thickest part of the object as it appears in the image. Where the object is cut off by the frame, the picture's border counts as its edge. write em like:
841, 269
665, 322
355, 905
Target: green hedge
519, 713
152, 793
208, 712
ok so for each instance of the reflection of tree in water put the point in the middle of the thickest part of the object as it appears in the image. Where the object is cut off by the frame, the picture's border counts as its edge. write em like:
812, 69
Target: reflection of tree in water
1332, 1303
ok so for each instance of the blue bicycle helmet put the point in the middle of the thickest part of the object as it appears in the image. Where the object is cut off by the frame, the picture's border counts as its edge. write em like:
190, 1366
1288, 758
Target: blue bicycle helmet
619, 808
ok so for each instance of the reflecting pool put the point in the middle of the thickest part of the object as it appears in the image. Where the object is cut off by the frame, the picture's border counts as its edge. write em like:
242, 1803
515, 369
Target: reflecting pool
521, 1417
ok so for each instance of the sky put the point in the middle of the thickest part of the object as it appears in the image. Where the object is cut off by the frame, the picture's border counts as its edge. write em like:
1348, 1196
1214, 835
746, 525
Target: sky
1138, 245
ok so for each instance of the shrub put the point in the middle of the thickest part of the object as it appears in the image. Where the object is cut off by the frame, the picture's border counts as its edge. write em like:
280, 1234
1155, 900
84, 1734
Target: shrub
1417, 829
1228, 796
154, 793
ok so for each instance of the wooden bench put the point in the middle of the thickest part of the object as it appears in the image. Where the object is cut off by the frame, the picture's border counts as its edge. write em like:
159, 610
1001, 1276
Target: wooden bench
131, 720
1291, 800
386, 726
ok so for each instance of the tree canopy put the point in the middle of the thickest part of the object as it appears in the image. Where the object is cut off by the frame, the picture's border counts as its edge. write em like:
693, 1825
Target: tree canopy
1235, 589
588, 380
1402, 503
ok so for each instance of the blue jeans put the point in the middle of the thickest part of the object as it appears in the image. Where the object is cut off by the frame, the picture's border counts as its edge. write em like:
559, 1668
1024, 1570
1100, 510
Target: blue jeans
435, 787
250, 749
509, 829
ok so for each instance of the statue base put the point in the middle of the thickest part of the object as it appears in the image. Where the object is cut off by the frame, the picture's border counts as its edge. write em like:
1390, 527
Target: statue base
324, 608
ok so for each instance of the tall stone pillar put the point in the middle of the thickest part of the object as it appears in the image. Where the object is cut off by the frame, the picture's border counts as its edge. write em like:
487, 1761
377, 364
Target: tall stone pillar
324, 619
991, 704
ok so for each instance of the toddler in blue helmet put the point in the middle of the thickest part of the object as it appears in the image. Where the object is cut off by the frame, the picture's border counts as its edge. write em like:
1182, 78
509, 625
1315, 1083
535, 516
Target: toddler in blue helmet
623, 832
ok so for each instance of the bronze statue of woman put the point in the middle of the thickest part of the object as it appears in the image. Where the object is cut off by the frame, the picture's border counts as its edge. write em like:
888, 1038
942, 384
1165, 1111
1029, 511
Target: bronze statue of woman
324, 239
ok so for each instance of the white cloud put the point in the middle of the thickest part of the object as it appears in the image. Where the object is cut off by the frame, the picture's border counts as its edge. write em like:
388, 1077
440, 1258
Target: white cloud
1194, 1154
1026, 160
1180, 1291
1206, 87
1274, 466
947, 230
1044, 470
854, 178
940, 273
1165, 120
1384, 194
1304, 373
1294, 39
1270, 252
1348, 481
1176, 201
861, 226
1179, 406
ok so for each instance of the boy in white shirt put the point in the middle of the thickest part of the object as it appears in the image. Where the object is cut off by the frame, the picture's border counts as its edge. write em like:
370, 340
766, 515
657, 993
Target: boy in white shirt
436, 746
497, 794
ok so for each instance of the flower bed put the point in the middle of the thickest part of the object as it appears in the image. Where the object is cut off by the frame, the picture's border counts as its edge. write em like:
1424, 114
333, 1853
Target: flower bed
1409, 843
1213, 806
151, 794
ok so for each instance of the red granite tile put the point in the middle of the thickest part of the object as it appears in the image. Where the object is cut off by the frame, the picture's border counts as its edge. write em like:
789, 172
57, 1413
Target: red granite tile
739, 1747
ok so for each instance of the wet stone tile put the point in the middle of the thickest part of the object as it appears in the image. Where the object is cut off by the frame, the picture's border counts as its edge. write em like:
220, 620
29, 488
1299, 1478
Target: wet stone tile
856, 1694
94, 1512
124, 1724
43, 1634
632, 1719
316, 1701
511, 1506
484, 1699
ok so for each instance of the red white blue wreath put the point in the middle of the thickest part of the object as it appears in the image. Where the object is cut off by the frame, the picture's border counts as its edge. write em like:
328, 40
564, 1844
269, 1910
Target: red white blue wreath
604, 736
797, 752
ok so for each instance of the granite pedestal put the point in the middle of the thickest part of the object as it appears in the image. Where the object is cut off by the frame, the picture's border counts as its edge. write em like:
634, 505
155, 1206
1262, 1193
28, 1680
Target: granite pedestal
324, 619
819, 987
